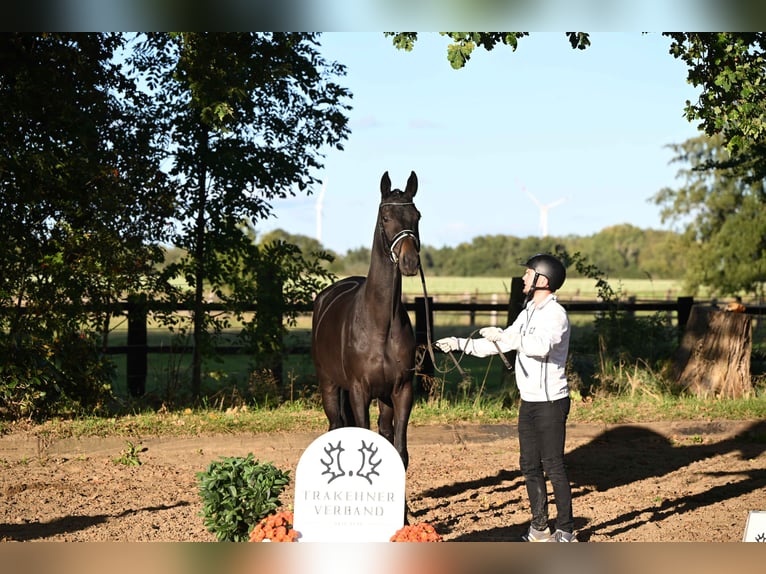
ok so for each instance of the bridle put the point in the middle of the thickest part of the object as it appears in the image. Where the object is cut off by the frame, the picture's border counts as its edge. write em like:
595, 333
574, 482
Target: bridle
395, 259
397, 238
404, 233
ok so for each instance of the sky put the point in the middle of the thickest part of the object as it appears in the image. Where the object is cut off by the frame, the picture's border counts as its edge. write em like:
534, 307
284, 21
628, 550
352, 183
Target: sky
586, 130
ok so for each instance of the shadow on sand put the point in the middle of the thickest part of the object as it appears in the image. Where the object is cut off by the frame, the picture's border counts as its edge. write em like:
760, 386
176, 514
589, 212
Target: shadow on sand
618, 457
41, 530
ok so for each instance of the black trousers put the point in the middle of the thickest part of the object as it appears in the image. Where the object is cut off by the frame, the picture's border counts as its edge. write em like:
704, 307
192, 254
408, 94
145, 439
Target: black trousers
542, 433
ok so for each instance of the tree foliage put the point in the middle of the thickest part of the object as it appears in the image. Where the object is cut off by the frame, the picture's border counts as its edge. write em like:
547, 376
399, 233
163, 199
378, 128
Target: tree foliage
248, 117
729, 68
116, 145
463, 44
620, 252
722, 201
82, 204
724, 217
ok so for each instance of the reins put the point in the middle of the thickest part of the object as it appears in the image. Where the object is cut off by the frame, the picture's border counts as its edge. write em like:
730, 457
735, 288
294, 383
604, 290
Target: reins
391, 247
429, 344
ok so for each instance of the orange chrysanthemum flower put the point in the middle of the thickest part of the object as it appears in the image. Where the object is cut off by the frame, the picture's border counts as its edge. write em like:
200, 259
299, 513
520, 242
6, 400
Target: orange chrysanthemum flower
422, 532
275, 528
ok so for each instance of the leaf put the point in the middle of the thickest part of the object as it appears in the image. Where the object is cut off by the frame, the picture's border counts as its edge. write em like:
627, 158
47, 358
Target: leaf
237, 492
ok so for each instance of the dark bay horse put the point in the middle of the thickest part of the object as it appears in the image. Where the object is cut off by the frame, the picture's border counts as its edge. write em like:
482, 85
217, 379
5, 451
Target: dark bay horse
362, 341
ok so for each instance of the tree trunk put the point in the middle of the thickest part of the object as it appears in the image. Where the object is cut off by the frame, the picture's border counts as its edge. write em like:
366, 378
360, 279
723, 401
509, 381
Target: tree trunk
200, 246
269, 330
714, 357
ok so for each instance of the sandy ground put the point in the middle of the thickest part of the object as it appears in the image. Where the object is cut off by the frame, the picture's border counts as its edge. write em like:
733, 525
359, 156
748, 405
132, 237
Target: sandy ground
661, 482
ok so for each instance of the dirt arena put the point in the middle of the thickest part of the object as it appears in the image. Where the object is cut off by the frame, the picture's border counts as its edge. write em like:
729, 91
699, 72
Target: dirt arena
661, 482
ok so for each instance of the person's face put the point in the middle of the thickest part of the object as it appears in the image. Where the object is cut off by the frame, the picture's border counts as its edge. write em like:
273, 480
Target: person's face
529, 277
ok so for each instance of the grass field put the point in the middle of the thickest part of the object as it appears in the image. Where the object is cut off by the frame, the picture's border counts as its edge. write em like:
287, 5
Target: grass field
168, 373
574, 288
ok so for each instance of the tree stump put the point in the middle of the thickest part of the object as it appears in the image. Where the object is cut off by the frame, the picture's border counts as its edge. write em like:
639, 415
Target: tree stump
714, 357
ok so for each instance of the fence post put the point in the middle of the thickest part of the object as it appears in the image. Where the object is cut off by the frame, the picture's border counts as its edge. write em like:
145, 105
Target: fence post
422, 320
470, 299
137, 359
684, 310
516, 301
515, 307
270, 301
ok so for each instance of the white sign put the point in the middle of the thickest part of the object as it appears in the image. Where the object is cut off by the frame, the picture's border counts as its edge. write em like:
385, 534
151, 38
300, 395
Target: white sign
755, 529
349, 487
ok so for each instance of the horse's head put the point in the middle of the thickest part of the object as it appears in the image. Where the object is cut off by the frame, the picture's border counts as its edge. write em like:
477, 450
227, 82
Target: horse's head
398, 222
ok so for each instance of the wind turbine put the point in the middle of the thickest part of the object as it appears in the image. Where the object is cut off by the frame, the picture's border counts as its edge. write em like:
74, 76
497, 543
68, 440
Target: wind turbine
319, 205
544, 208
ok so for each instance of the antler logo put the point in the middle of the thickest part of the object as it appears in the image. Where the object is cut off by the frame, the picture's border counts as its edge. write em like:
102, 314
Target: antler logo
367, 468
333, 467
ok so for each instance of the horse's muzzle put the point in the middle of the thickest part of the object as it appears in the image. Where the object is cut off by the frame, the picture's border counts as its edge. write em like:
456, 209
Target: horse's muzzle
409, 257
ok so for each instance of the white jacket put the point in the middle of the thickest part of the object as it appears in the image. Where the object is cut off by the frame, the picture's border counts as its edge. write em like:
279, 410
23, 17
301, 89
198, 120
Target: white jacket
540, 335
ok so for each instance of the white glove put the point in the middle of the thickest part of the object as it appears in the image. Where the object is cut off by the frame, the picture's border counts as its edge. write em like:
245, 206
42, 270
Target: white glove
447, 344
491, 334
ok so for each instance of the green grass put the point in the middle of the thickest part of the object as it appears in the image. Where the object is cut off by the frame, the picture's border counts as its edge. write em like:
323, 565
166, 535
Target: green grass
168, 373
576, 288
301, 416
452, 399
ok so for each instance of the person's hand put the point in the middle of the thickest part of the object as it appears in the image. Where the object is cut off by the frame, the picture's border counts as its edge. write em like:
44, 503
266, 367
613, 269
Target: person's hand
491, 334
447, 344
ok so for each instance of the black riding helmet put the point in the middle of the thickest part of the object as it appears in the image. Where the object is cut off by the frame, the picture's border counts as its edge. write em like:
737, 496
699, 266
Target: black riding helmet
550, 267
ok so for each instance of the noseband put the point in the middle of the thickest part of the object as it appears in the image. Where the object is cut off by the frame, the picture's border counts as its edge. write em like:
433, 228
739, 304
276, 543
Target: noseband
399, 237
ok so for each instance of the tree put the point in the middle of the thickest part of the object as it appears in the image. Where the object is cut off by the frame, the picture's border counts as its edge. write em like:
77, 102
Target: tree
713, 360
723, 198
616, 250
722, 203
724, 217
464, 43
305, 243
82, 204
730, 69
247, 117
355, 262
663, 254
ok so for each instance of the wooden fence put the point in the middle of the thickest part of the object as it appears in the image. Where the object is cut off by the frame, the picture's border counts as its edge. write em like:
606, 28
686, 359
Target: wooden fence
138, 348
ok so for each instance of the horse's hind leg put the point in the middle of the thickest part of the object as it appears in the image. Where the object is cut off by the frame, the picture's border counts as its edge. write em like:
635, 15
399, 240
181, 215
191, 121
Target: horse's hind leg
386, 420
347, 413
359, 401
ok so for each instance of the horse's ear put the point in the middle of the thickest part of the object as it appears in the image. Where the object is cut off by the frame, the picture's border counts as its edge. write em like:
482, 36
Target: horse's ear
412, 185
385, 185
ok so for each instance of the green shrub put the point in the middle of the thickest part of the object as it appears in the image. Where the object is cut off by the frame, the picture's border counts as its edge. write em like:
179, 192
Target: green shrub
44, 375
237, 493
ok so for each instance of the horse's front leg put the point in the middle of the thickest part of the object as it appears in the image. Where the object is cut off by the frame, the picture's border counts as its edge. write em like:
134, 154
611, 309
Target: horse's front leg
402, 407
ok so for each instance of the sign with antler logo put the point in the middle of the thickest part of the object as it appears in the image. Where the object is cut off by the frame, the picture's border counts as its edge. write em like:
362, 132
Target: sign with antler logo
349, 487
755, 527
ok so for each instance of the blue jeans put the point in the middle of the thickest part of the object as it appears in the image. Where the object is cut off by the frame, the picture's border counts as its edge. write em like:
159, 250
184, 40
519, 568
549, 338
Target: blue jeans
542, 433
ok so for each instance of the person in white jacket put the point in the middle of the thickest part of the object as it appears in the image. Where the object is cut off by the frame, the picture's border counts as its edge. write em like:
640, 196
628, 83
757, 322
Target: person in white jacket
540, 337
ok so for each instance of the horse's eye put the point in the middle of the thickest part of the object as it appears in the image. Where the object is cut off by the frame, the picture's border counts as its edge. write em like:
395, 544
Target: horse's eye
386, 219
